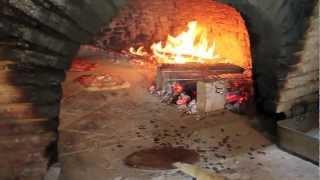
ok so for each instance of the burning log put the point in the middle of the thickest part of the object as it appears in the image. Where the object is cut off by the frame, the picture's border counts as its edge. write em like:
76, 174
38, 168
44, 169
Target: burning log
170, 58
193, 72
192, 45
217, 68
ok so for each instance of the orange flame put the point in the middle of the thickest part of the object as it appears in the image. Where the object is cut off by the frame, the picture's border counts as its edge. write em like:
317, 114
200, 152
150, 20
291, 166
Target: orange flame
190, 46
139, 52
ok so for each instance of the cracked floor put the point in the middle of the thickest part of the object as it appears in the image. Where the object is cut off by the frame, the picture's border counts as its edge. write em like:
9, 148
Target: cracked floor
99, 129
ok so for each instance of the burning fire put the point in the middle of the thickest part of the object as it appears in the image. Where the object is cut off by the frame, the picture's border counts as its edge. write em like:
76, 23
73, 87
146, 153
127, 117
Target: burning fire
190, 46
139, 52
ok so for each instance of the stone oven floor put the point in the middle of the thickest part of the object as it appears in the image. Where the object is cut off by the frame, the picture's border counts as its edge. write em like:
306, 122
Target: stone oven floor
99, 129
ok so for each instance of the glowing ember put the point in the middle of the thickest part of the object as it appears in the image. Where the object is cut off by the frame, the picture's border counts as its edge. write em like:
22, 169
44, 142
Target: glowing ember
177, 88
139, 52
237, 97
190, 46
183, 99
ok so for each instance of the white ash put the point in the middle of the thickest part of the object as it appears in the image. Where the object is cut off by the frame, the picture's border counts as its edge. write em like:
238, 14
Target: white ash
152, 89
192, 107
184, 102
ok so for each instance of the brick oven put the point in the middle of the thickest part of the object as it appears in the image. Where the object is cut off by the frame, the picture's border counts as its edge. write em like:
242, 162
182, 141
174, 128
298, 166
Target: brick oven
143, 29
265, 52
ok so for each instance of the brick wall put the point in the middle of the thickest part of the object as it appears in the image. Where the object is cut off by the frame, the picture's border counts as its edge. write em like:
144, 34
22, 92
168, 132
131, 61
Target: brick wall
300, 92
37, 41
145, 22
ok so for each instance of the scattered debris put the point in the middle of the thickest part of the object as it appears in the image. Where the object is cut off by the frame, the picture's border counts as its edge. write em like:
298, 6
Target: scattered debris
119, 145
261, 152
174, 93
183, 99
53, 172
235, 93
192, 107
152, 89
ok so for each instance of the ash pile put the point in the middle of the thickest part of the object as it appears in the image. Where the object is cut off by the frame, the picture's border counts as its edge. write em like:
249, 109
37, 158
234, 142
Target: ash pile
181, 94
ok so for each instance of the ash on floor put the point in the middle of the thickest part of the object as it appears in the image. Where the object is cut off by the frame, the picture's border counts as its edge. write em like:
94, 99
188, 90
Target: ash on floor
99, 129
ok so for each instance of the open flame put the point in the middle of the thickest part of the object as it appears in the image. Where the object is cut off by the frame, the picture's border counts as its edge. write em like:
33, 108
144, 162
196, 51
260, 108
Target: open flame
139, 52
199, 45
190, 46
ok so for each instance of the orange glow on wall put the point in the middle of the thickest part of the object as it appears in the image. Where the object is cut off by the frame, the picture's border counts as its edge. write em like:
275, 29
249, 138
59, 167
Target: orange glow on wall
219, 36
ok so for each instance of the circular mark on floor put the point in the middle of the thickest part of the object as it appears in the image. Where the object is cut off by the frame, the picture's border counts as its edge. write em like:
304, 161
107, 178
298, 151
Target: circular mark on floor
160, 158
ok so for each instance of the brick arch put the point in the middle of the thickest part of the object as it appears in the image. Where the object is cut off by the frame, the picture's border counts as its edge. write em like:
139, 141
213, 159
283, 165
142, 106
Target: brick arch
37, 42
145, 22
274, 29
